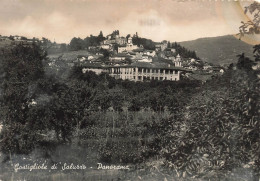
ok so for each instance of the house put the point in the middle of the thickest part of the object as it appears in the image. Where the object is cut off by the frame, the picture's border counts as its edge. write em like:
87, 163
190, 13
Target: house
207, 67
4, 38
92, 47
170, 50
81, 58
106, 46
217, 69
161, 46
121, 49
119, 57
90, 57
192, 67
94, 67
146, 58
173, 50
150, 52
99, 53
17, 37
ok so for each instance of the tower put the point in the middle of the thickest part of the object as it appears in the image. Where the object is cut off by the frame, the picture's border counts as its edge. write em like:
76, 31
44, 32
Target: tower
129, 40
178, 61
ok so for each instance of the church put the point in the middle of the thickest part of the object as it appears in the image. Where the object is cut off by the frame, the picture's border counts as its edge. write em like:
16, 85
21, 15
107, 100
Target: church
128, 47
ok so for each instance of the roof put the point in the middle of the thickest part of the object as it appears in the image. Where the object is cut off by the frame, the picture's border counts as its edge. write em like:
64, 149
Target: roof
120, 46
92, 65
169, 49
138, 50
121, 55
155, 65
149, 51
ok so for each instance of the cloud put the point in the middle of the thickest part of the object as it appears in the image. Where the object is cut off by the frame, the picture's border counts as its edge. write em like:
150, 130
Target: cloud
157, 20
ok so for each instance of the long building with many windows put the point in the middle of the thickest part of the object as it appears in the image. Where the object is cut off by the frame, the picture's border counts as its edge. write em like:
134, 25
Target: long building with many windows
140, 71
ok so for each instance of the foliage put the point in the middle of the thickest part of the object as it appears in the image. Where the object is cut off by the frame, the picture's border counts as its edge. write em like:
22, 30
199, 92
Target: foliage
185, 53
251, 26
21, 68
76, 44
147, 43
219, 129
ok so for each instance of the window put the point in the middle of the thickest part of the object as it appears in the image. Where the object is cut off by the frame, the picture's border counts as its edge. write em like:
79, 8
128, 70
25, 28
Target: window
176, 71
161, 71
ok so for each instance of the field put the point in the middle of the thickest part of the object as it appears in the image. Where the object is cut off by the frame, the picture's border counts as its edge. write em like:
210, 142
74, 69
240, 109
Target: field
113, 139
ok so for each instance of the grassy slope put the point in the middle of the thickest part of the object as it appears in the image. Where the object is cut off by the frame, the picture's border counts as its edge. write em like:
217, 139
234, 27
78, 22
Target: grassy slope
219, 50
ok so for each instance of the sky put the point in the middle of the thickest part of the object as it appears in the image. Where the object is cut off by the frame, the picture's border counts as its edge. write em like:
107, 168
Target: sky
172, 20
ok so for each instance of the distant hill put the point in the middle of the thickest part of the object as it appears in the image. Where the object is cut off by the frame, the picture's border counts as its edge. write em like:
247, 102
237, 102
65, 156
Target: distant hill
221, 50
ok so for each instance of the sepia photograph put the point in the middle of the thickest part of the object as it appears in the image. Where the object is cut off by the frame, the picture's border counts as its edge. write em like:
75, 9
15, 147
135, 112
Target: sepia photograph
129, 90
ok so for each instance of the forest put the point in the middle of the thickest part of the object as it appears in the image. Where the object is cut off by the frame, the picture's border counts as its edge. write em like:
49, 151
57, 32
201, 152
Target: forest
192, 129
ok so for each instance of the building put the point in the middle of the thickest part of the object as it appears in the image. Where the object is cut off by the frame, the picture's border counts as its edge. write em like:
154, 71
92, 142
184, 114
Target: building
161, 46
114, 38
119, 40
178, 61
139, 71
128, 47
119, 57
4, 38
106, 46
94, 67
150, 52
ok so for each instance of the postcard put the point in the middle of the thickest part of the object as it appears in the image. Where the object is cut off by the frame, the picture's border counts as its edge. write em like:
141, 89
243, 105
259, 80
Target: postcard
129, 90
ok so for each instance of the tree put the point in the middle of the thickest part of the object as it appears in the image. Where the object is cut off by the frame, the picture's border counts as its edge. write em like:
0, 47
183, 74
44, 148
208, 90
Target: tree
251, 26
245, 62
76, 44
101, 35
21, 68
63, 47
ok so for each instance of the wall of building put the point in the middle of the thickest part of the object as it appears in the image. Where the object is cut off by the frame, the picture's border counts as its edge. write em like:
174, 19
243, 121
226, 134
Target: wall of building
142, 74
96, 70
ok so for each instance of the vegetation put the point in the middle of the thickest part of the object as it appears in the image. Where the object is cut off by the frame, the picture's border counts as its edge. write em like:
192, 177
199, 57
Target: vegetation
187, 129
198, 131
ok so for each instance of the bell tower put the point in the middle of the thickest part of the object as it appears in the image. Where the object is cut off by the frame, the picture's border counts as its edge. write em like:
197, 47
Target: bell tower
178, 61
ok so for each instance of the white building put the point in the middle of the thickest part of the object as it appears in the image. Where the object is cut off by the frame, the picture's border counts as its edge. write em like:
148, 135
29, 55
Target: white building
129, 46
139, 71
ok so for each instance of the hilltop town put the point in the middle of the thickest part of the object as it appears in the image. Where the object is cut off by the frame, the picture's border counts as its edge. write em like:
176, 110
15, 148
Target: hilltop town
131, 57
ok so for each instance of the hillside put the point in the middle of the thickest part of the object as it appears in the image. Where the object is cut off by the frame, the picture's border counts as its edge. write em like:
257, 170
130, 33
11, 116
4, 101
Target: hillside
219, 50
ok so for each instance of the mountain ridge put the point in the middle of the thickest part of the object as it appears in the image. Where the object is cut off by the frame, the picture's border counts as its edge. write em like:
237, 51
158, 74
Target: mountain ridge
221, 50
